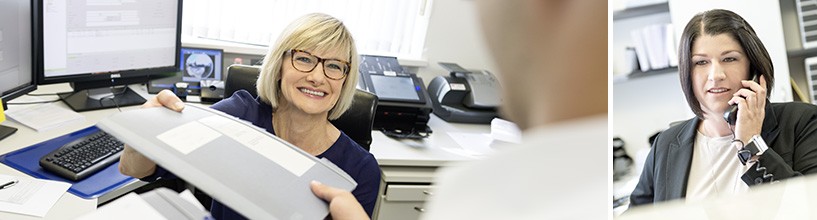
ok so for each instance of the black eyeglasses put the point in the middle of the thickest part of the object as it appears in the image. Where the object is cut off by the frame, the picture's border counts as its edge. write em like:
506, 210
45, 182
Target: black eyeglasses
306, 62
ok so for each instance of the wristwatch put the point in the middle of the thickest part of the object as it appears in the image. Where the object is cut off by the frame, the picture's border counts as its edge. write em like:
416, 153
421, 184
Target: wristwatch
755, 147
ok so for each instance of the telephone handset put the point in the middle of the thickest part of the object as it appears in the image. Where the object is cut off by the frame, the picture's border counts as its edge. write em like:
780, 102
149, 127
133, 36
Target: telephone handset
731, 115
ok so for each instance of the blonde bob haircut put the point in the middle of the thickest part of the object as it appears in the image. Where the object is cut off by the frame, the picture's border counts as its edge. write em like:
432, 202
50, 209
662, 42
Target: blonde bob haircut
312, 32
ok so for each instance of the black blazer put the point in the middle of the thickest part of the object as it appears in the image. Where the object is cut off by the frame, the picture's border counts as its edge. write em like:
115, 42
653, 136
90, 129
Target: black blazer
789, 129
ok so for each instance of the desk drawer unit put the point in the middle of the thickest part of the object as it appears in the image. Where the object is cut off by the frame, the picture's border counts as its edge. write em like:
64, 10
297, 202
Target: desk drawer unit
404, 201
403, 192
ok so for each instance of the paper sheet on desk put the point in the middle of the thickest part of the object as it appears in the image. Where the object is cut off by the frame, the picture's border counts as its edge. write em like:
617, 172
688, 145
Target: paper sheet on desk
42, 117
474, 145
129, 207
30, 196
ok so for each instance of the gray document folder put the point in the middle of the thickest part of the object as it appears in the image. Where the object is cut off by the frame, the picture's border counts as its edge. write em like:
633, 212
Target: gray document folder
237, 163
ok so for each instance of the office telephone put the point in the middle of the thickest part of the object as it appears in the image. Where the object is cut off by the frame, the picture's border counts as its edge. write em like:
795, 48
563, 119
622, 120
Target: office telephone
403, 106
731, 114
469, 96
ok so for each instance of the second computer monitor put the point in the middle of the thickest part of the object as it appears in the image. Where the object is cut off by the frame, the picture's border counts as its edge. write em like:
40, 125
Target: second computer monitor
199, 64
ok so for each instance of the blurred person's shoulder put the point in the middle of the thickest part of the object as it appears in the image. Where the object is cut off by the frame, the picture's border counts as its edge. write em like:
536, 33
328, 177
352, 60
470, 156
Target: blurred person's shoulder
558, 171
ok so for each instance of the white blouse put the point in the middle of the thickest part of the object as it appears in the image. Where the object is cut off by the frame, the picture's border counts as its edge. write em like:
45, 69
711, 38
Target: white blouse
715, 169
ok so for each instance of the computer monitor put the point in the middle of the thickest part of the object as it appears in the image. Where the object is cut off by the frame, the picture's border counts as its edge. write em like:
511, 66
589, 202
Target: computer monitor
97, 45
199, 64
16, 54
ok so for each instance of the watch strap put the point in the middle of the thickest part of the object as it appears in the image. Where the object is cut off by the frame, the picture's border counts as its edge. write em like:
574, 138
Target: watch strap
756, 146
760, 144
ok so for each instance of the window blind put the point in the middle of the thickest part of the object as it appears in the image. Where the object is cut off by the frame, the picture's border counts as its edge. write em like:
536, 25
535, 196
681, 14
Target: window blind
380, 27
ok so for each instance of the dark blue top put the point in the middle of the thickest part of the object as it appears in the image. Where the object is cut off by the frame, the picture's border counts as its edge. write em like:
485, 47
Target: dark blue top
345, 153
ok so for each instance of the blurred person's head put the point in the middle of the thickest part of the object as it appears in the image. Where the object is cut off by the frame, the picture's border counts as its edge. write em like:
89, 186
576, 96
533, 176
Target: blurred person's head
719, 49
552, 58
301, 68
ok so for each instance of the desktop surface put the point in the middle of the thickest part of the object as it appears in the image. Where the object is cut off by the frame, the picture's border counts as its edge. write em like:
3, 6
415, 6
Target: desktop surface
788, 199
440, 149
69, 205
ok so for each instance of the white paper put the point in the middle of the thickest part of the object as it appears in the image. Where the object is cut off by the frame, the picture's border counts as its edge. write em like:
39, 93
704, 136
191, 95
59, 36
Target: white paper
30, 196
262, 144
474, 144
188, 196
130, 206
640, 50
504, 130
671, 48
188, 137
653, 35
463, 152
42, 117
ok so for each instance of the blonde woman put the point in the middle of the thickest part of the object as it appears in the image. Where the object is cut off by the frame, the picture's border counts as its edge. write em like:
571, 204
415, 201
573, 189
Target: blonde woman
308, 78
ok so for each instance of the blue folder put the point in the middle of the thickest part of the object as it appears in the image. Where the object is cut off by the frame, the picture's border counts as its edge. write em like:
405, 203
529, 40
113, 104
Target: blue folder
27, 160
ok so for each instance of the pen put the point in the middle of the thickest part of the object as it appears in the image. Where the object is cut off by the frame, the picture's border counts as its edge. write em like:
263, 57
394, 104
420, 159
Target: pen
9, 184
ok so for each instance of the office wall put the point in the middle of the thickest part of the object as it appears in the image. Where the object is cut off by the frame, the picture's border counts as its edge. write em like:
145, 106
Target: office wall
645, 106
454, 35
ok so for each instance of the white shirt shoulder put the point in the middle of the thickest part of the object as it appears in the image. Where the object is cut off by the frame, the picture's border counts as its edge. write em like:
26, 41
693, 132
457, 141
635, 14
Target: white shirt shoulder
559, 171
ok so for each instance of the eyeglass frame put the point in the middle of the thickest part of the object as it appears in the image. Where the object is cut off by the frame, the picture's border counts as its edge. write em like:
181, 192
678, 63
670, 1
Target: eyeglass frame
320, 61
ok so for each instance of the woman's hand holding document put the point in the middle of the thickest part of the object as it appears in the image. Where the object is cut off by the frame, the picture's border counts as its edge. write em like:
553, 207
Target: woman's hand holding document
135, 164
220, 154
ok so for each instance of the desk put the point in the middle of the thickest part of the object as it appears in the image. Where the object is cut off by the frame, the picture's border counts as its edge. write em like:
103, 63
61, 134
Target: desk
408, 166
788, 199
69, 206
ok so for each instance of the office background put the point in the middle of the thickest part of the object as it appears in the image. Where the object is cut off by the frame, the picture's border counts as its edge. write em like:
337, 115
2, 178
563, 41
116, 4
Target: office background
453, 35
647, 102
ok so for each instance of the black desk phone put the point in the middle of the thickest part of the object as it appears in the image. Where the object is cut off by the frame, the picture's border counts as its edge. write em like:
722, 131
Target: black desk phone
731, 114
468, 96
403, 106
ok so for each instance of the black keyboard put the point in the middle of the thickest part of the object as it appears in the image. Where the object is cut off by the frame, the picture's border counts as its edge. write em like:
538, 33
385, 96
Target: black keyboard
83, 157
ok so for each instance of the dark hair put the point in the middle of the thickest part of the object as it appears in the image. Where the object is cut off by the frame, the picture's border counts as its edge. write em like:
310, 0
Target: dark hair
715, 22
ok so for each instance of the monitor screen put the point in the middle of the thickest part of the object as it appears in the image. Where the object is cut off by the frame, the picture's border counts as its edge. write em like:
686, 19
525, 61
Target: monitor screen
394, 87
16, 60
104, 43
199, 64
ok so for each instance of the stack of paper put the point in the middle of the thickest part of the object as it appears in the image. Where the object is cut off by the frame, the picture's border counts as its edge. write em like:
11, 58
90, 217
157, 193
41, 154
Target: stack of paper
42, 117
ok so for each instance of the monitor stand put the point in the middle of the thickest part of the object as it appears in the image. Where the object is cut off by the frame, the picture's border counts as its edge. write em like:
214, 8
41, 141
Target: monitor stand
93, 99
6, 131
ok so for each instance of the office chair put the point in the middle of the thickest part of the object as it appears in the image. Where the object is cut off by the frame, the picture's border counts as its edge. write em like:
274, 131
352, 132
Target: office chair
356, 122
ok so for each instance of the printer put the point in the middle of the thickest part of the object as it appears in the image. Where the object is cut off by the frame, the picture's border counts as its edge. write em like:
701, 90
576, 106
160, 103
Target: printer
466, 96
403, 106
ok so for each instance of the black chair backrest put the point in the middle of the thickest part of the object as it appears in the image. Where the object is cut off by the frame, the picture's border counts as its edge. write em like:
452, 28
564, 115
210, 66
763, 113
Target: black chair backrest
356, 122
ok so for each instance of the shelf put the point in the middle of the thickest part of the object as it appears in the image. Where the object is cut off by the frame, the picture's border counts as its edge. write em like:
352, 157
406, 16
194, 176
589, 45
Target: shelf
805, 53
640, 74
641, 11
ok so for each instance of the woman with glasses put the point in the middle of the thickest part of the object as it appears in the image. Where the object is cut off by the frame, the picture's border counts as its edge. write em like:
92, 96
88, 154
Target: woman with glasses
307, 78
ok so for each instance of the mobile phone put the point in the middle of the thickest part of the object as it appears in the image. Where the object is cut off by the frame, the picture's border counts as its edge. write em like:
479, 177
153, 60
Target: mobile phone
731, 114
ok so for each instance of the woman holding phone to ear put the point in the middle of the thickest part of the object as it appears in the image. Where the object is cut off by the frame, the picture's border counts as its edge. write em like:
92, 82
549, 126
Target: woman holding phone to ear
705, 156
